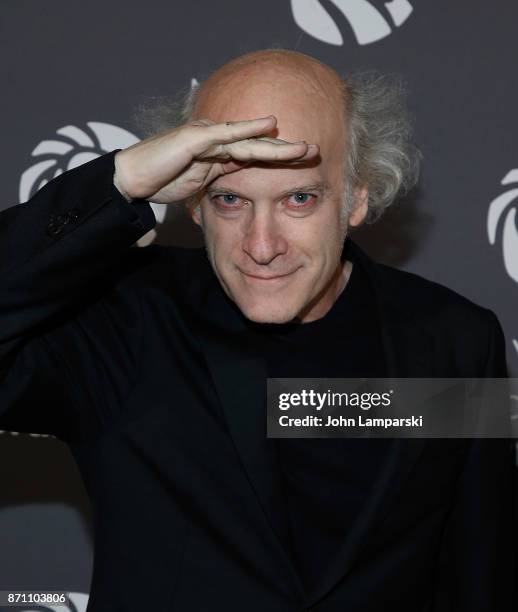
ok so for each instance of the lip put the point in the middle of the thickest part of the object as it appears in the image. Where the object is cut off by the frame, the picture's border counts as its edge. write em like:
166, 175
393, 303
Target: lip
267, 278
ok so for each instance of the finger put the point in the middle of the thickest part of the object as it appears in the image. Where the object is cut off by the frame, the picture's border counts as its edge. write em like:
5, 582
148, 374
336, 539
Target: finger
277, 140
222, 151
232, 131
202, 122
313, 149
291, 155
263, 150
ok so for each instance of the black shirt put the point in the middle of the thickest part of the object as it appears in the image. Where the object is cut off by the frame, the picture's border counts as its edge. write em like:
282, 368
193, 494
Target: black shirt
326, 479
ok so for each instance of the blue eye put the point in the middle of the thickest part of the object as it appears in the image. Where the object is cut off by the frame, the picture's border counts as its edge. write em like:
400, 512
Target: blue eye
228, 200
301, 198
297, 199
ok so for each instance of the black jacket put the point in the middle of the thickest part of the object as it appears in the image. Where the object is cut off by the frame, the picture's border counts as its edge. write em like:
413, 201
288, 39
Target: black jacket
134, 357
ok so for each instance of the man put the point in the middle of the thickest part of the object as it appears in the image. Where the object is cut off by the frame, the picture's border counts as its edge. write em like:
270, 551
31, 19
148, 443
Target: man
151, 363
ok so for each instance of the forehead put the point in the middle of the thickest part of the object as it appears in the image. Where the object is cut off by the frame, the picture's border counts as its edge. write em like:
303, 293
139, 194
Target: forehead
306, 101
308, 106
270, 181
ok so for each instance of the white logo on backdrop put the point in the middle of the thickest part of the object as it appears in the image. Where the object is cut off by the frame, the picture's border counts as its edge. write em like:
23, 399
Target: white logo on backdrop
72, 146
502, 215
367, 22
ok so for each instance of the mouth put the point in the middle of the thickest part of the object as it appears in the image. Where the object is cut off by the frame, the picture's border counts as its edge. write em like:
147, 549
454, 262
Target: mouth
268, 279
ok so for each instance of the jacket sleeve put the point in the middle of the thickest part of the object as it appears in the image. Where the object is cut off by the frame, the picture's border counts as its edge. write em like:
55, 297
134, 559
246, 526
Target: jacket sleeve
59, 252
478, 565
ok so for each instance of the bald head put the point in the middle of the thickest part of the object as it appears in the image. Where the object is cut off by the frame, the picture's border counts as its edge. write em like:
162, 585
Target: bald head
303, 93
274, 232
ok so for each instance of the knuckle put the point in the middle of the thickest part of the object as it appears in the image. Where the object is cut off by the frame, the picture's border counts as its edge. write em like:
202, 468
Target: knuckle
193, 139
201, 122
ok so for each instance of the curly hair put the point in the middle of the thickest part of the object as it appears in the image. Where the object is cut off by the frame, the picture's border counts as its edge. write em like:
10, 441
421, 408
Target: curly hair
379, 152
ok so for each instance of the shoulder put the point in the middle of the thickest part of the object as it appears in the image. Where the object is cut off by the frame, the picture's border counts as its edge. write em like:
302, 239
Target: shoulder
428, 300
162, 267
467, 331
419, 298
163, 274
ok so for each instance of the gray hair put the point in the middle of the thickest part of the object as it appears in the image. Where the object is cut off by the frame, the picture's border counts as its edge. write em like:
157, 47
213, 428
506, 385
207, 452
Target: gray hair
379, 152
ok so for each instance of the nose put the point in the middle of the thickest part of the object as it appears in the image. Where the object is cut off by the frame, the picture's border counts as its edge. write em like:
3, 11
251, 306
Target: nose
263, 240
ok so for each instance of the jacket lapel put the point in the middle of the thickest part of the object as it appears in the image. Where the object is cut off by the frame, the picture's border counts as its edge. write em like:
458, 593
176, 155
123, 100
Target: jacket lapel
240, 380
408, 351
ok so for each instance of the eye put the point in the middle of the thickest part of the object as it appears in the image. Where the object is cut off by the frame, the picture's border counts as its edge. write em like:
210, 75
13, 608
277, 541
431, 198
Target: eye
229, 198
301, 199
225, 200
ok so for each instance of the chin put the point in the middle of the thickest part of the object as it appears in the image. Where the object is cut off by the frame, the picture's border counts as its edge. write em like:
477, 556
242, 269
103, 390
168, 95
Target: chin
267, 314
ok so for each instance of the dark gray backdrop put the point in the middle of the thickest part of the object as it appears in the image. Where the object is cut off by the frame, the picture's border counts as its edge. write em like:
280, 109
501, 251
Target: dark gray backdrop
67, 64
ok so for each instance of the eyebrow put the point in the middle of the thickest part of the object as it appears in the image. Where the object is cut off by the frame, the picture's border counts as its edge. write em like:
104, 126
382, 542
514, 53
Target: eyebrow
321, 187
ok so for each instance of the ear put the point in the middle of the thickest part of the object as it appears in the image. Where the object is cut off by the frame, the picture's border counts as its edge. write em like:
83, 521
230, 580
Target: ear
194, 207
361, 200
196, 215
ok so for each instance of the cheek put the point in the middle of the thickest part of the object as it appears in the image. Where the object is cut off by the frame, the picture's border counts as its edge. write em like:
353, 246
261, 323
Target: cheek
219, 228
223, 244
322, 235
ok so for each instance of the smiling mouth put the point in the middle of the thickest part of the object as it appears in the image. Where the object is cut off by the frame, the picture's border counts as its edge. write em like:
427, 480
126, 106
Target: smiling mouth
267, 278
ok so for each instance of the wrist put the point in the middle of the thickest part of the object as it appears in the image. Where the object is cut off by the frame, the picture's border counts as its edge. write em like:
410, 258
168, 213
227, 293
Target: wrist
117, 181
